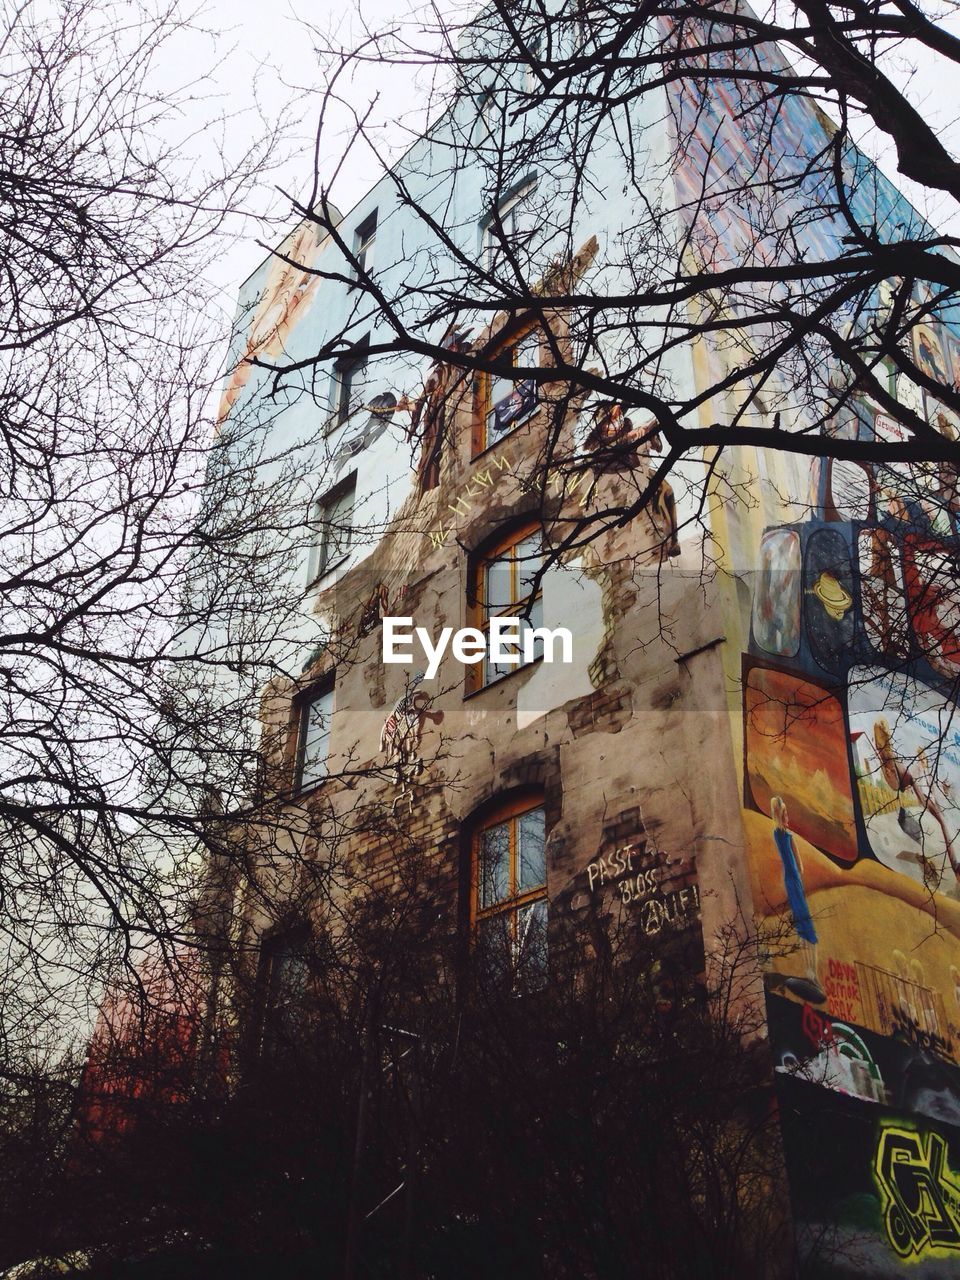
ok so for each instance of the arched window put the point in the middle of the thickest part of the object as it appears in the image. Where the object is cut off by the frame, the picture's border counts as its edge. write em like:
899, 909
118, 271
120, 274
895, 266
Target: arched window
504, 585
509, 895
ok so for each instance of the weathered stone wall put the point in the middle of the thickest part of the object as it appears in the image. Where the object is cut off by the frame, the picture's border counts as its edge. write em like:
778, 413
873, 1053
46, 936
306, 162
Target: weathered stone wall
630, 746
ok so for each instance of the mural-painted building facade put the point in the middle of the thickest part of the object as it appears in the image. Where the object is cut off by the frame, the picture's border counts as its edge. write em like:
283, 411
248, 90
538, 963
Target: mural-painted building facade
776, 739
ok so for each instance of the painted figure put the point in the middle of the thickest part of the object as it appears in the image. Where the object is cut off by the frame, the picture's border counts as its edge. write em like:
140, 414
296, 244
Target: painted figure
928, 1014
613, 432
287, 290
618, 443
928, 353
931, 578
403, 729
948, 480
904, 986
428, 413
948, 473
955, 979
381, 409
797, 898
373, 611
880, 588
901, 780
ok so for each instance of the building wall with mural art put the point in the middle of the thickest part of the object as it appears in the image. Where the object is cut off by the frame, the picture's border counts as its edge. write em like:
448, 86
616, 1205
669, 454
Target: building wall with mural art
777, 739
842, 661
433, 756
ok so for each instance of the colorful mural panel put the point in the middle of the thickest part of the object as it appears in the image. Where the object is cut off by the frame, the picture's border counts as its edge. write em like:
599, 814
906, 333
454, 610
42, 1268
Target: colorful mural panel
905, 744
851, 749
852, 787
848, 721
795, 749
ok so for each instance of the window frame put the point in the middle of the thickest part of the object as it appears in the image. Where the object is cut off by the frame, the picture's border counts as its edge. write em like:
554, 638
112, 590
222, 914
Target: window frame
479, 615
531, 81
507, 813
364, 239
292, 939
342, 379
302, 706
320, 563
487, 111
483, 400
492, 237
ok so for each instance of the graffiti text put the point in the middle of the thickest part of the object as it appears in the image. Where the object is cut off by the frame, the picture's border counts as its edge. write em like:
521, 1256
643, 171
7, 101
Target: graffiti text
919, 1193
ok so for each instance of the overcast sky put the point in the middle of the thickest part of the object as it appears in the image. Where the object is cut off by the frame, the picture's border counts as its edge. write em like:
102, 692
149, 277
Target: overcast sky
264, 59
264, 54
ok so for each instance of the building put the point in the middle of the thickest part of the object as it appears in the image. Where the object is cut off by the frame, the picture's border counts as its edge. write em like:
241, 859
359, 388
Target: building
772, 743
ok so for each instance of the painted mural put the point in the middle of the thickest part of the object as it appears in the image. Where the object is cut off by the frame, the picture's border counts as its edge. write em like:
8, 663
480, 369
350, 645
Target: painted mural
851, 735
851, 787
288, 288
845, 710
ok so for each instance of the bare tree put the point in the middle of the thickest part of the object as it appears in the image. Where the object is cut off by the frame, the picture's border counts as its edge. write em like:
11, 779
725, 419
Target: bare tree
752, 226
139, 620
143, 628
392, 1101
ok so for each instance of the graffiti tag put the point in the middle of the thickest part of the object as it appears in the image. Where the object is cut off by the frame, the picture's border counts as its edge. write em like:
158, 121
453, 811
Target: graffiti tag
478, 485
920, 1195
641, 886
843, 989
674, 908
619, 863
817, 1028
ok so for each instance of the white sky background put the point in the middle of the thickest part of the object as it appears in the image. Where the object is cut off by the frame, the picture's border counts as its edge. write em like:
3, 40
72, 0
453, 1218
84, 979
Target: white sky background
265, 60
264, 56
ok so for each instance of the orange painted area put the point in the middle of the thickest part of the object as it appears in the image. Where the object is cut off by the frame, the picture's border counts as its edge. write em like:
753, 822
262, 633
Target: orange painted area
796, 747
819, 872
864, 913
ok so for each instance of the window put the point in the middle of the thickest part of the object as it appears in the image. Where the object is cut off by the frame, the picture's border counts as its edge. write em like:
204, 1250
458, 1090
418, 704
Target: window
364, 239
505, 401
583, 30
331, 523
502, 585
509, 897
313, 739
283, 985
531, 72
347, 379
491, 116
509, 226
